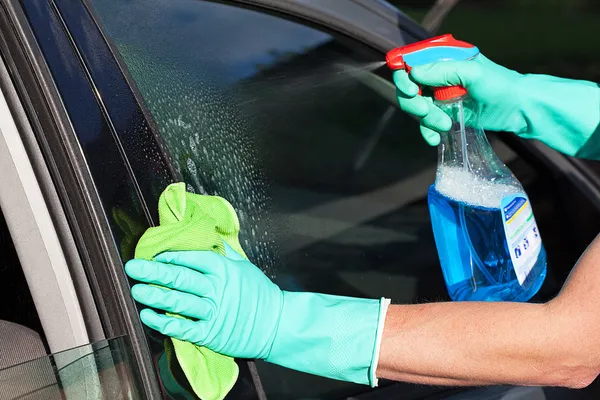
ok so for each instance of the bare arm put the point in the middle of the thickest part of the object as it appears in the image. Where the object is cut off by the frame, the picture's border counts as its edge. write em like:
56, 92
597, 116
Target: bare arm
552, 344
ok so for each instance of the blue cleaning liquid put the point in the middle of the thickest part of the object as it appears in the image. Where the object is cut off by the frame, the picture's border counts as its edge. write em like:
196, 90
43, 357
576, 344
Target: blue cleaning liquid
474, 253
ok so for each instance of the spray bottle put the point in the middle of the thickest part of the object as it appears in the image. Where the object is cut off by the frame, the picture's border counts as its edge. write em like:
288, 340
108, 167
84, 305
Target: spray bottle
485, 232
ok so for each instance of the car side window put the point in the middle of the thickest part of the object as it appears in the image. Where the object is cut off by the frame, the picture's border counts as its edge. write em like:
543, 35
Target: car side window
300, 130
103, 370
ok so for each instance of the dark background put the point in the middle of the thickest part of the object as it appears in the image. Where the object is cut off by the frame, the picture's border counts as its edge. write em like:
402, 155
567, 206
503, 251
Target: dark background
557, 37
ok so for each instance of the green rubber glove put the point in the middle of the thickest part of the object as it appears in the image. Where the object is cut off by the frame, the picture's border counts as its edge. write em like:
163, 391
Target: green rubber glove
239, 312
562, 113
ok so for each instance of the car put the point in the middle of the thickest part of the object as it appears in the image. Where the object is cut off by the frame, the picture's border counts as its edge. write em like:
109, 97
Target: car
283, 107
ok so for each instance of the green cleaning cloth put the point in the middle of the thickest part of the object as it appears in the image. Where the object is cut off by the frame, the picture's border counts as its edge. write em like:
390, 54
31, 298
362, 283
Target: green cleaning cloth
172, 378
189, 221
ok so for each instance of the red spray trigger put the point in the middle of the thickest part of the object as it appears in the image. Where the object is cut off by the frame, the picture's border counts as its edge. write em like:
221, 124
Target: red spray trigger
439, 48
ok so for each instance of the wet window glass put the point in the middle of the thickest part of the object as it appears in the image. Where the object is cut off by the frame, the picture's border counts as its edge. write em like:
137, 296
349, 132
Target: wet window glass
300, 130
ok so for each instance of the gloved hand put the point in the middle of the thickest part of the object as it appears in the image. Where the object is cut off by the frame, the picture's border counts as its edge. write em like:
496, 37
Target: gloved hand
562, 113
239, 312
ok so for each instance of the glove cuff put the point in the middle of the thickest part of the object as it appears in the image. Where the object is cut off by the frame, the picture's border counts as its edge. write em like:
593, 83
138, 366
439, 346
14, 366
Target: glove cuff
384, 304
332, 336
562, 113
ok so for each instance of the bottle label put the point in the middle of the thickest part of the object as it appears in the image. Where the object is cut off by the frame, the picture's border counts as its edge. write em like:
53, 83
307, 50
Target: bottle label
522, 235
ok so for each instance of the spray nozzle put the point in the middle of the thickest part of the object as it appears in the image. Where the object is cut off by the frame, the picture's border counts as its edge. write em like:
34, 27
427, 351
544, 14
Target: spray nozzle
440, 48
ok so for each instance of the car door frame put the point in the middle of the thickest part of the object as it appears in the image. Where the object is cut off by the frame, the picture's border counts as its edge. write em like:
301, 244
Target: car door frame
32, 60
81, 225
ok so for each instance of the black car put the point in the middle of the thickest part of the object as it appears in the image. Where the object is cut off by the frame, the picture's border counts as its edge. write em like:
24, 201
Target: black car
283, 107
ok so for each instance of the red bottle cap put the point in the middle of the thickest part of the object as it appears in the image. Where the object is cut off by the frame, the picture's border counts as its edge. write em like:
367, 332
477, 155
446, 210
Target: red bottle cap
448, 92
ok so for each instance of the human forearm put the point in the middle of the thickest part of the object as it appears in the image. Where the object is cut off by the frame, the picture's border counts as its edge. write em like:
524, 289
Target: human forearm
465, 343
459, 342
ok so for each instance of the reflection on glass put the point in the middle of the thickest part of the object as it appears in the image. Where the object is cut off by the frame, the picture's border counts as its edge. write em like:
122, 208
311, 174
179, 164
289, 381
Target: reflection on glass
101, 370
300, 131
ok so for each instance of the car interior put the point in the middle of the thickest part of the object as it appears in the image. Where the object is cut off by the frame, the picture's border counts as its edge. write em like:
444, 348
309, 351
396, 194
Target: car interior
28, 370
21, 334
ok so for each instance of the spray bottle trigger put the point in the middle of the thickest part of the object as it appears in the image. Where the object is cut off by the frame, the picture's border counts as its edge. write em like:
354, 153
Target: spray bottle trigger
440, 48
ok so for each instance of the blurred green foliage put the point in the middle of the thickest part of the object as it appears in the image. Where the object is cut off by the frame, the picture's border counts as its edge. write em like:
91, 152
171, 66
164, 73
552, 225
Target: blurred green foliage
558, 37
535, 4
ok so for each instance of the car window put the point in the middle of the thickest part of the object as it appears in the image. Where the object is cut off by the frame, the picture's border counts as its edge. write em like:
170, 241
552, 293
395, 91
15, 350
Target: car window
98, 370
288, 126
300, 130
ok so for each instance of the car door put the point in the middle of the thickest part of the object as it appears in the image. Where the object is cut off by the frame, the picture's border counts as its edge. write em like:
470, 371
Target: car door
57, 218
292, 120
296, 124
84, 113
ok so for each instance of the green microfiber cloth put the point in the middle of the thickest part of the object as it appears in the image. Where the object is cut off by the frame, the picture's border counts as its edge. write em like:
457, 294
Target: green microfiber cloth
195, 222
172, 378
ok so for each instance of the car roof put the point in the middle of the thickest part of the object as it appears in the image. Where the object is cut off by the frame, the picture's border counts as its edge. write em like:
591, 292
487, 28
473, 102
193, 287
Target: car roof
374, 22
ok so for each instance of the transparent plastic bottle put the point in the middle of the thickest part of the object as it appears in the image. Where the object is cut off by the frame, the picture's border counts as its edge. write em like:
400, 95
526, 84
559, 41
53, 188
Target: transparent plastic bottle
488, 242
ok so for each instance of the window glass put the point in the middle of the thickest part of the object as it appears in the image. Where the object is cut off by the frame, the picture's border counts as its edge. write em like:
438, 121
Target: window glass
90, 122
98, 370
291, 126
301, 132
